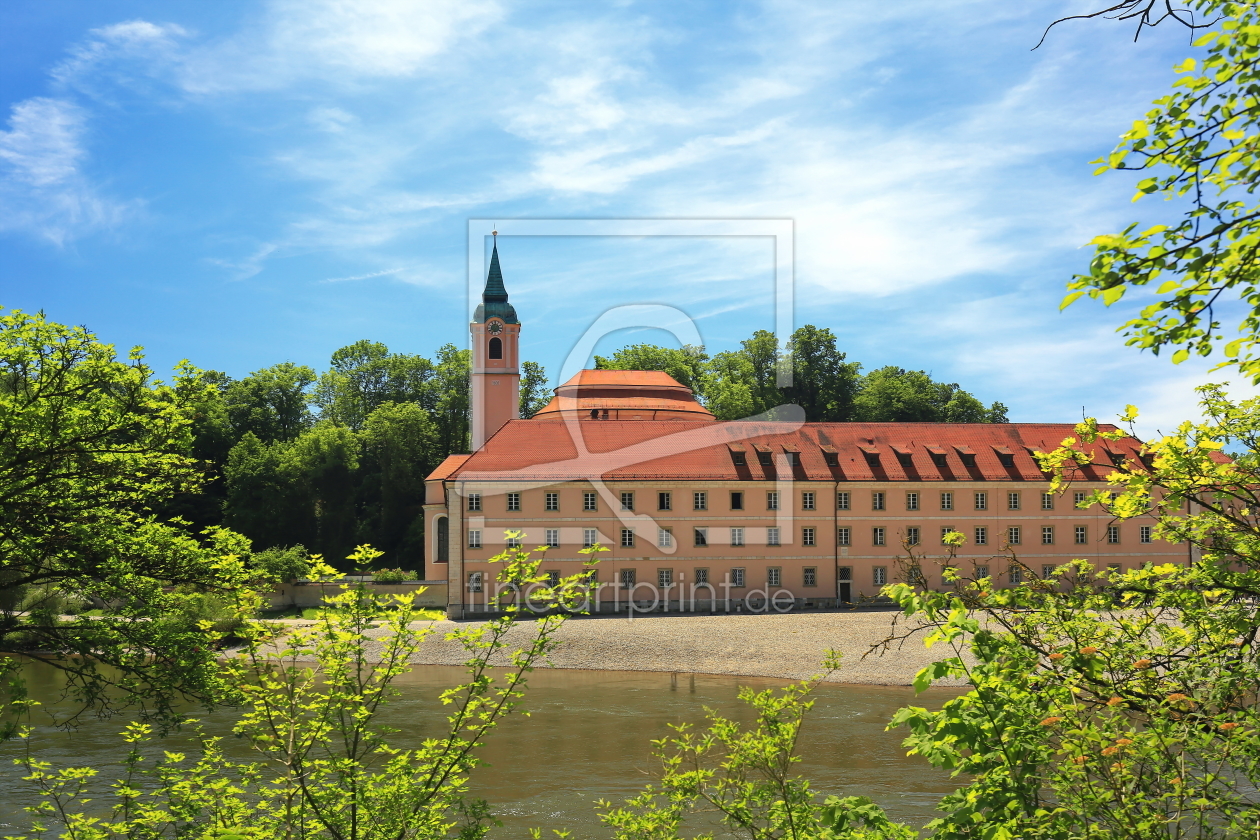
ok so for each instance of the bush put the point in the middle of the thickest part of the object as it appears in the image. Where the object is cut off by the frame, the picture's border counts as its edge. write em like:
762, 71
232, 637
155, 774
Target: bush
390, 576
283, 565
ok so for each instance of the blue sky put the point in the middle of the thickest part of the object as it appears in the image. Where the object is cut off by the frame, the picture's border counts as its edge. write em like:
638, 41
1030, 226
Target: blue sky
241, 184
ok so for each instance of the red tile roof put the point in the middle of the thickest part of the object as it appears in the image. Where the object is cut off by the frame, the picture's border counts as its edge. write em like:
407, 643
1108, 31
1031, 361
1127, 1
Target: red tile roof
532, 450
641, 378
448, 467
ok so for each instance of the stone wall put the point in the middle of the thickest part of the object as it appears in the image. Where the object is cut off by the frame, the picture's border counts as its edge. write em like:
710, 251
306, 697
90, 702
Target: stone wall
304, 594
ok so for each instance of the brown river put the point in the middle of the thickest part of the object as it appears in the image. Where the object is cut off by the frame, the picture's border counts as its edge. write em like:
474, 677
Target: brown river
587, 738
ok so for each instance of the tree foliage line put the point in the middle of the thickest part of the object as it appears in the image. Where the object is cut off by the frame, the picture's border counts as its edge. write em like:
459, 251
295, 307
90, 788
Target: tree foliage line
742, 383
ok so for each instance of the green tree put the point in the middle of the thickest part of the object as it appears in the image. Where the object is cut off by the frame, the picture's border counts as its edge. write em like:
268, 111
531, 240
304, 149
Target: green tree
271, 403
324, 767
534, 391
823, 383
895, 395
447, 399
365, 375
685, 364
400, 448
268, 497
90, 446
1199, 149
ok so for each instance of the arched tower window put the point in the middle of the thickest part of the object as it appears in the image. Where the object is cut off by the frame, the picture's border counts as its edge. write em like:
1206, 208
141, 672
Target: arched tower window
496, 348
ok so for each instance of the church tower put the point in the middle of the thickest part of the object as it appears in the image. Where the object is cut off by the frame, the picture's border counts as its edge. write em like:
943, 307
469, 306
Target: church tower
496, 374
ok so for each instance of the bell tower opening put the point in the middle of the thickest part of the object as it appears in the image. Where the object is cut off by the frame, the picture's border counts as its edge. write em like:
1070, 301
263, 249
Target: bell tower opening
496, 348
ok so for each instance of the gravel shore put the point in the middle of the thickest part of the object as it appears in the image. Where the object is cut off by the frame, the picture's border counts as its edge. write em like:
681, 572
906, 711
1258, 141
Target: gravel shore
789, 646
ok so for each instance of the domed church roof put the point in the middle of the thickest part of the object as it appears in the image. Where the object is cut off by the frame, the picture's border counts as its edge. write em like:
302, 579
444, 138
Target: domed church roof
624, 395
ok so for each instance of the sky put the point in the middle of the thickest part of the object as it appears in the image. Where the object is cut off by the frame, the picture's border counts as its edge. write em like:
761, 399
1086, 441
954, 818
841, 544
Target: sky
246, 183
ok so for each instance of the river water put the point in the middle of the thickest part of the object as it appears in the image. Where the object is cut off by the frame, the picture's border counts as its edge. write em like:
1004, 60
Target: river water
587, 738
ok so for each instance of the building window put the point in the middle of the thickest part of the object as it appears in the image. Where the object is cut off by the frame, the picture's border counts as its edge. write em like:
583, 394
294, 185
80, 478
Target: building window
764, 459
1113, 534
842, 536
772, 500
947, 501
474, 581
877, 500
701, 576
664, 501
1047, 571
553, 578
474, 501
982, 536
772, 536
807, 501
880, 575
774, 576
877, 536
912, 536
1012, 535
807, 536
737, 501
1047, 535
842, 500
982, 501
627, 578
513, 542
627, 501
627, 538
1047, 501
664, 578
912, 501
1144, 534
982, 572
1078, 498
844, 573
700, 501
513, 501
809, 576
737, 536
589, 537
664, 537
701, 537
1015, 575
739, 458
1115, 568
474, 539
1012, 501
589, 501
553, 537
737, 578
553, 501
1081, 536
945, 532
793, 458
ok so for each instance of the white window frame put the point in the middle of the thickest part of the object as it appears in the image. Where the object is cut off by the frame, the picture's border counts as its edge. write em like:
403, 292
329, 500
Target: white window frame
947, 500
590, 501
737, 536
809, 576
474, 538
879, 575
627, 538
1014, 536
772, 500
1144, 533
474, 581
552, 537
879, 536
699, 500
552, 501
1013, 501
981, 501
700, 537
842, 500
590, 536
737, 578
474, 501
912, 535
774, 576
912, 501
664, 537
1047, 535
807, 536
844, 536
513, 501
807, 500
627, 500
773, 536
981, 537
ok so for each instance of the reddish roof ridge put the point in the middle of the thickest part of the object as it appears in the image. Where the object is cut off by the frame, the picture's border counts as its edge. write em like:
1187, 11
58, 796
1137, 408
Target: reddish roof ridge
448, 466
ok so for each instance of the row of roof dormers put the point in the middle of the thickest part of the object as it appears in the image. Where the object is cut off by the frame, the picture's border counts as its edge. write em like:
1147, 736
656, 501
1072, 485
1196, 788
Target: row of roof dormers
556, 450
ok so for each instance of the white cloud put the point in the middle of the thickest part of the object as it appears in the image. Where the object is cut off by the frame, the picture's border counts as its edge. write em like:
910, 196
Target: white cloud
42, 188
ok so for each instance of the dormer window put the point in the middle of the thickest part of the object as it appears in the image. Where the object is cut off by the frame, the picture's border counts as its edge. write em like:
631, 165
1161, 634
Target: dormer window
764, 459
905, 459
739, 458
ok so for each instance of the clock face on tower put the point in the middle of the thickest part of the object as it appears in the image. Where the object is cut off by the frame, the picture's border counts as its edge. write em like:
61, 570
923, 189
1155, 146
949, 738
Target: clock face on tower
495, 328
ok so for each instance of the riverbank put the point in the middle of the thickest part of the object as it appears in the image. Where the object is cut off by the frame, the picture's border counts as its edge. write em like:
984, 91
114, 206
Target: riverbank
787, 646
